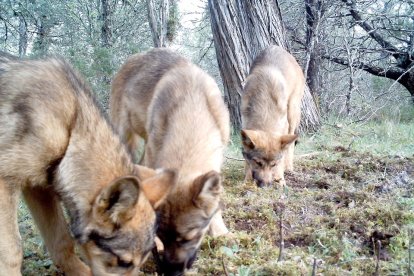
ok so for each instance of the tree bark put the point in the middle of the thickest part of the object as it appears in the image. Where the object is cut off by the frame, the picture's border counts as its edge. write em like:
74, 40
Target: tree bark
106, 33
241, 30
314, 12
22, 36
403, 76
403, 69
41, 44
104, 60
158, 21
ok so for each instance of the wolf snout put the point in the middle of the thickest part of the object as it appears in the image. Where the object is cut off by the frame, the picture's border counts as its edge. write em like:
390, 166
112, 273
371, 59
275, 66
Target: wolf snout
260, 182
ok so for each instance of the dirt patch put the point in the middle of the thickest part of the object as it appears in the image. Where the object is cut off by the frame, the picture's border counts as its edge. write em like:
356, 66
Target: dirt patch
299, 240
249, 225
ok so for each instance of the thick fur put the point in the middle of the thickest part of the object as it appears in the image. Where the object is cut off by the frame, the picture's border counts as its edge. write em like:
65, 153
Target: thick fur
56, 146
178, 110
271, 103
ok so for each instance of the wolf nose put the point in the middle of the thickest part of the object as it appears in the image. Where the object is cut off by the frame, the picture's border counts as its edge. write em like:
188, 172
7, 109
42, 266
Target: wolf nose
260, 183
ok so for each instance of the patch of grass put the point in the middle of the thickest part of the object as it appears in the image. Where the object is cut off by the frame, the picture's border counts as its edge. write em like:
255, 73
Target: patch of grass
379, 138
341, 198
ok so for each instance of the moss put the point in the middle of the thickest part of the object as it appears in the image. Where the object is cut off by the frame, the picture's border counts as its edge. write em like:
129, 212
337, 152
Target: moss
338, 201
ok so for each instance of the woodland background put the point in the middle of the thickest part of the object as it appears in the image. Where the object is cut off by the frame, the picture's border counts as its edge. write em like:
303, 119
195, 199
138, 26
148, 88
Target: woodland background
348, 209
342, 45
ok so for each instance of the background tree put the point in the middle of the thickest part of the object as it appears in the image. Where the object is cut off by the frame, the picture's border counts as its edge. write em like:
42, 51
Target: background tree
162, 19
387, 48
341, 43
241, 30
315, 11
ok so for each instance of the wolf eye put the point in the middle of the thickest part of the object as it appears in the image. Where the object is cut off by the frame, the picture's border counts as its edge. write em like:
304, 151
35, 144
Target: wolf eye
258, 162
181, 241
272, 164
125, 264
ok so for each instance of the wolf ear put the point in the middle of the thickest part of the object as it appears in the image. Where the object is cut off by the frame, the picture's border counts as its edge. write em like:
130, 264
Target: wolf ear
116, 202
285, 140
248, 137
143, 172
206, 191
157, 187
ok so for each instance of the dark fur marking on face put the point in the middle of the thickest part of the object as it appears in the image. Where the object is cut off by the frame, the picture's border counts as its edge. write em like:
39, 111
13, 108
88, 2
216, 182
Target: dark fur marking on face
248, 156
123, 241
110, 244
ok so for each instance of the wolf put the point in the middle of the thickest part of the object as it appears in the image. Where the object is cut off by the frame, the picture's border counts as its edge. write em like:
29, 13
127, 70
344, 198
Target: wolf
57, 147
178, 110
271, 107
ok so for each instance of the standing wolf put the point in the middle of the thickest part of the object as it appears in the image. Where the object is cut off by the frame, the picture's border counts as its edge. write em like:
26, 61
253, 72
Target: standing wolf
56, 146
270, 107
178, 110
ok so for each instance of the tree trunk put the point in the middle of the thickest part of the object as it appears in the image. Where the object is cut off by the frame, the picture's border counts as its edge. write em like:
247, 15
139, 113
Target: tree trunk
22, 36
314, 13
158, 21
41, 43
408, 82
104, 54
106, 33
241, 30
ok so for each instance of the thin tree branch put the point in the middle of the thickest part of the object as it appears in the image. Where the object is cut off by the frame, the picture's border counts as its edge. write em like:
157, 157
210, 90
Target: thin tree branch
392, 73
396, 53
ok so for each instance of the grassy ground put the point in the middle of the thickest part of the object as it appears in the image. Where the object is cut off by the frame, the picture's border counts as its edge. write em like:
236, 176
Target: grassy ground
353, 186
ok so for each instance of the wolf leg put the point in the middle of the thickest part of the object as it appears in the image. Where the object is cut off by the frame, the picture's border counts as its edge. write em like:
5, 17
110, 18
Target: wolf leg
48, 215
217, 226
294, 120
11, 254
289, 157
247, 172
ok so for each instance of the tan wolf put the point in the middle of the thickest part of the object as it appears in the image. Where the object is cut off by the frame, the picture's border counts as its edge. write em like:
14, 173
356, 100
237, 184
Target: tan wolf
55, 146
271, 103
178, 110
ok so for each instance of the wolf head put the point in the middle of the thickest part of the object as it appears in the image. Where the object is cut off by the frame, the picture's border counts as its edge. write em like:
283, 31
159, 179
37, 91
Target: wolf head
121, 231
264, 155
184, 219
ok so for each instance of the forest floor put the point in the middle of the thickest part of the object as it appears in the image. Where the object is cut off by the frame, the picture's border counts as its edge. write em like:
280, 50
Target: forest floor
352, 192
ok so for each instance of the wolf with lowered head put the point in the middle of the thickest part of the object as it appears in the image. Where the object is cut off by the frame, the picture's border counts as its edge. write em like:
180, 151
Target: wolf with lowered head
271, 104
178, 110
56, 146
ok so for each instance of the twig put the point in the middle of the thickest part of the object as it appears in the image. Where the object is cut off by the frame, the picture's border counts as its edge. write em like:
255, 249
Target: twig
410, 244
233, 158
311, 154
377, 253
350, 144
282, 242
206, 51
314, 267
224, 266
